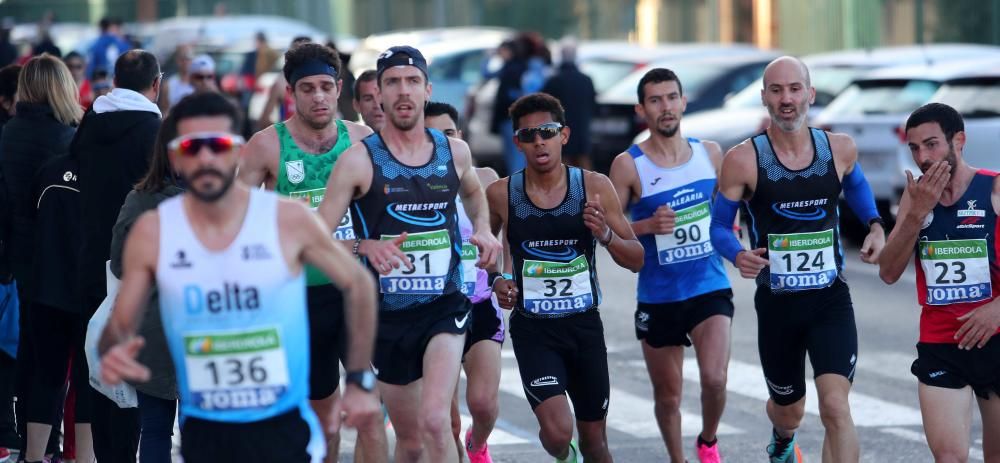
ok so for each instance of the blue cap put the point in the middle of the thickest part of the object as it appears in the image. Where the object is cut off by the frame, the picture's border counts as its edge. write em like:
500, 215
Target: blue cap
401, 55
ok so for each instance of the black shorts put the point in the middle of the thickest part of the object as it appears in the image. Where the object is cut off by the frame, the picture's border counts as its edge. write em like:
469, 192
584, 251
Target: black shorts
327, 339
563, 355
947, 366
487, 325
817, 321
403, 336
668, 324
282, 438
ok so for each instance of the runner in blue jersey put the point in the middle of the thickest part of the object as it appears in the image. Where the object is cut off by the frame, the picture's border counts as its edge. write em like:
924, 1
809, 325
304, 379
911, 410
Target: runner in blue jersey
401, 185
684, 294
228, 263
790, 178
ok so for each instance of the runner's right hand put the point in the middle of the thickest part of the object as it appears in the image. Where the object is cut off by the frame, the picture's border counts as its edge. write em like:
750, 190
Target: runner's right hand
925, 192
506, 292
751, 262
663, 220
385, 255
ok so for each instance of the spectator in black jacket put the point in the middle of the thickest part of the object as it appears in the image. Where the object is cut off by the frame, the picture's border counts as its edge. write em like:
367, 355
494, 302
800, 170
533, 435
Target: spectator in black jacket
9, 437
40, 131
113, 148
575, 91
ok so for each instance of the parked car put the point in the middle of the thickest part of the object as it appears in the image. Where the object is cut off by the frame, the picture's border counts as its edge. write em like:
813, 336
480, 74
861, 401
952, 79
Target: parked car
229, 32
743, 115
706, 82
367, 51
871, 109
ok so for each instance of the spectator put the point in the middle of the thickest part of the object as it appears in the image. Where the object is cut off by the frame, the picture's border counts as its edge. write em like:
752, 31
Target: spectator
9, 437
109, 45
178, 85
41, 130
101, 84
266, 56
44, 44
77, 67
576, 93
345, 105
201, 74
280, 96
8, 88
158, 396
8, 52
113, 149
514, 65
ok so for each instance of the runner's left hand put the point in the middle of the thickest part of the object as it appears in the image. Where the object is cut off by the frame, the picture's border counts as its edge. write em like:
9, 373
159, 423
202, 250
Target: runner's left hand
980, 325
489, 247
119, 363
356, 409
594, 219
873, 244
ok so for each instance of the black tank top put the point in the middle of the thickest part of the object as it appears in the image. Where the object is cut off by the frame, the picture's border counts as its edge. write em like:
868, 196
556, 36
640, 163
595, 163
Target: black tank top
552, 251
420, 201
793, 213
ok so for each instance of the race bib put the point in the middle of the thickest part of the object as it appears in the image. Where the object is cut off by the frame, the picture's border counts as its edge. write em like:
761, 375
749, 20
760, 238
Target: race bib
313, 198
801, 261
690, 239
430, 254
956, 271
556, 287
236, 370
470, 255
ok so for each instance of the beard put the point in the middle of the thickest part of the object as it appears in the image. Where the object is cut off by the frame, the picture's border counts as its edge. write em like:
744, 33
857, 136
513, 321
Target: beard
951, 158
792, 125
210, 196
402, 124
316, 123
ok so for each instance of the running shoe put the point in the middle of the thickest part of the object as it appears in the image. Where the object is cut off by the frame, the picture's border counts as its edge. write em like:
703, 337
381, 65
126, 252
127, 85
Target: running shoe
707, 453
4, 455
784, 450
482, 456
574, 453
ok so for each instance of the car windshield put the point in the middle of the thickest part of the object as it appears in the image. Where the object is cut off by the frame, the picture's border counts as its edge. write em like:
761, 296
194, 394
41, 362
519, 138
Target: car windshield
605, 73
972, 99
828, 81
890, 96
694, 76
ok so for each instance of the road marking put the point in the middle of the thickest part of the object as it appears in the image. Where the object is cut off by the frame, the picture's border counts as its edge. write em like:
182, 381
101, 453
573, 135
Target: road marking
748, 380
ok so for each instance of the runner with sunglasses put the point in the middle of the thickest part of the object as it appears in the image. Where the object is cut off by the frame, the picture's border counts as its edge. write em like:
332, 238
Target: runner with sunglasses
684, 294
295, 158
553, 216
228, 263
401, 185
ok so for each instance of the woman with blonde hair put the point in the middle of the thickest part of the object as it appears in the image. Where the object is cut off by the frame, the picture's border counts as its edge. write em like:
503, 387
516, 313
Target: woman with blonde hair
41, 131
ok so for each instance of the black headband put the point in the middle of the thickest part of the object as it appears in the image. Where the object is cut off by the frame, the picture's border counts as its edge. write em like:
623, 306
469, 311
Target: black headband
312, 67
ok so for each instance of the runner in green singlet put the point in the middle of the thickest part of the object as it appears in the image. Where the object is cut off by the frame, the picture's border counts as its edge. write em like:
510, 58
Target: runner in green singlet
295, 158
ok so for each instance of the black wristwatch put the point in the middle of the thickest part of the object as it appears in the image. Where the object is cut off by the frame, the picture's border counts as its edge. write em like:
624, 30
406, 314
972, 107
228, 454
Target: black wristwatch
363, 379
876, 220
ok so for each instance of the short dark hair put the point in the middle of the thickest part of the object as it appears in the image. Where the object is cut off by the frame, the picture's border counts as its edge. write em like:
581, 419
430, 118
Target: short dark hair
73, 54
206, 104
536, 103
947, 117
300, 39
438, 108
299, 54
136, 70
8, 80
655, 76
367, 76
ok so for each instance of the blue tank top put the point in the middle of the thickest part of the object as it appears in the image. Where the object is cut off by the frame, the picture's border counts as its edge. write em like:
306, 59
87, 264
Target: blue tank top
683, 264
235, 320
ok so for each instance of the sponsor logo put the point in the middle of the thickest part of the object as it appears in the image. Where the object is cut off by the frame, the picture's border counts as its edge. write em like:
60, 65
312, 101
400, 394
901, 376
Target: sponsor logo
388, 189
544, 381
402, 212
69, 176
654, 182
642, 321
604, 406
927, 220
295, 171
459, 323
682, 191
810, 209
181, 261
935, 374
230, 298
255, 252
374, 369
972, 211
436, 187
551, 249
780, 390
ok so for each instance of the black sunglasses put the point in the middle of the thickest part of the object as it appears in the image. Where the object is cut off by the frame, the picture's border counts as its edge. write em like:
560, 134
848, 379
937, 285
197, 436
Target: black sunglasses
547, 131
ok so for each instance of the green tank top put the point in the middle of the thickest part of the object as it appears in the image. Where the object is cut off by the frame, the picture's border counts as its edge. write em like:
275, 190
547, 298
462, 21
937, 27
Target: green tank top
304, 175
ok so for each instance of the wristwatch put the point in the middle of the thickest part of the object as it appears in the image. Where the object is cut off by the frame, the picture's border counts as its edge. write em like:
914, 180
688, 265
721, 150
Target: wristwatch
364, 379
357, 244
876, 220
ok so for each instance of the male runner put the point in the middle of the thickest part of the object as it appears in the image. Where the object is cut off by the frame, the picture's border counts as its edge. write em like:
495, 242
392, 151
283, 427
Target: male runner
486, 333
684, 294
948, 220
228, 264
790, 178
401, 184
367, 101
553, 216
294, 158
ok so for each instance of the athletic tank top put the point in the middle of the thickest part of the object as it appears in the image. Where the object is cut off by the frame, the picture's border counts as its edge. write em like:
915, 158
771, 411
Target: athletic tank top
419, 200
235, 320
304, 175
957, 268
474, 284
793, 214
683, 264
552, 251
